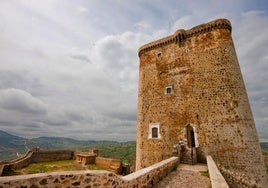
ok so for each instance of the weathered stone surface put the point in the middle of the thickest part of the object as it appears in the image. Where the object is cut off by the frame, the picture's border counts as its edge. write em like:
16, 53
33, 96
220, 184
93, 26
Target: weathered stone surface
96, 178
191, 87
43, 182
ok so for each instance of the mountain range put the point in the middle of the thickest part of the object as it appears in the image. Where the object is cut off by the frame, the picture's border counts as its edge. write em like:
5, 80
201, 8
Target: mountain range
12, 146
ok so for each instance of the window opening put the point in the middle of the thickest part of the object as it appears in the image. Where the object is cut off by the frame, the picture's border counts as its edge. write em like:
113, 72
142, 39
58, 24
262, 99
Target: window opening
159, 55
154, 132
168, 90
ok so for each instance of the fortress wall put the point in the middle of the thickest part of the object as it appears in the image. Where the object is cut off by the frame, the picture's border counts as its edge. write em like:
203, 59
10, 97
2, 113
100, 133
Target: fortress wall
97, 178
36, 155
22, 163
108, 163
17, 163
51, 155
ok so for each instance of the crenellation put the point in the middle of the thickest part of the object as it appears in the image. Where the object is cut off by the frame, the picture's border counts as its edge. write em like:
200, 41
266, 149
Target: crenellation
181, 35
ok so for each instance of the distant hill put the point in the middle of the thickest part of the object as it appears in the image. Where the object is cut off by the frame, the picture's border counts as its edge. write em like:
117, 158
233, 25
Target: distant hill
264, 145
10, 145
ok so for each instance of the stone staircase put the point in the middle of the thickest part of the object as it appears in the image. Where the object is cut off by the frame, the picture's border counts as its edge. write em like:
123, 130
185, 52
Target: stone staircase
188, 156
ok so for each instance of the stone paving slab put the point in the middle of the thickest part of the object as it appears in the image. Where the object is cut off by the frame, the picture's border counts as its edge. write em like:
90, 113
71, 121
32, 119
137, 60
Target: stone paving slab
186, 176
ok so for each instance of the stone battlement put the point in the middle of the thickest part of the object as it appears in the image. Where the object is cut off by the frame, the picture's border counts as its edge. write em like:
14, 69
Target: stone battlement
180, 35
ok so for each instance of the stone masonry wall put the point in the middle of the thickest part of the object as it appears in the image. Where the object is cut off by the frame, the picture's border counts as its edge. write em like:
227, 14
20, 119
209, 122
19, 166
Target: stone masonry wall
112, 164
208, 94
52, 155
98, 178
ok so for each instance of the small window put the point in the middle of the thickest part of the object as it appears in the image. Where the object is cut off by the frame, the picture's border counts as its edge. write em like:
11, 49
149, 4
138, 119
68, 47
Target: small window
159, 55
187, 50
154, 132
169, 90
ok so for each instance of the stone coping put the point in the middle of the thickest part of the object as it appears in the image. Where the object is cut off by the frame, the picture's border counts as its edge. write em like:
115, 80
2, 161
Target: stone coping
216, 178
143, 171
85, 155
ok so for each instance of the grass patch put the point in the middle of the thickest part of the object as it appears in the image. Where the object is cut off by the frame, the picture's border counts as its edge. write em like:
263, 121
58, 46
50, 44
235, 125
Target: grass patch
54, 166
204, 173
265, 155
64, 165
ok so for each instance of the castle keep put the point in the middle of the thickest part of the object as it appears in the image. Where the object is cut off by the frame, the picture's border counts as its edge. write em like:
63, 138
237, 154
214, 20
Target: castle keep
191, 88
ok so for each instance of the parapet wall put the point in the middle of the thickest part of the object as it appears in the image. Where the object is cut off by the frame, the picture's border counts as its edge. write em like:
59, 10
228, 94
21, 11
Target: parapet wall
112, 164
51, 155
146, 177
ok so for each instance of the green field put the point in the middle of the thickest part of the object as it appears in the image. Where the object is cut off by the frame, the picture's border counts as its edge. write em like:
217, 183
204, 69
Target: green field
265, 154
54, 166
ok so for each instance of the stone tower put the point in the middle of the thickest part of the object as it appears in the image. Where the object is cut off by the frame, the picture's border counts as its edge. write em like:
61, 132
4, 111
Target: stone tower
191, 88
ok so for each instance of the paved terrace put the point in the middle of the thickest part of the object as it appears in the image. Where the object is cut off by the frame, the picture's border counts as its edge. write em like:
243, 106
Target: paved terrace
186, 176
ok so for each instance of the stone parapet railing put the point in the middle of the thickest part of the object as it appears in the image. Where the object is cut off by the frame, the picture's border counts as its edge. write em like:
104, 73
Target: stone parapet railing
216, 178
146, 177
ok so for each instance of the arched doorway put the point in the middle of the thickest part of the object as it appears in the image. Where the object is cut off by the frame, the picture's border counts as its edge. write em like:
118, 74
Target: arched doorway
190, 136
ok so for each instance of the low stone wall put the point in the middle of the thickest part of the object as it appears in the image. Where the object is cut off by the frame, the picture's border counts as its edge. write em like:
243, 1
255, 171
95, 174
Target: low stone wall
112, 164
146, 177
150, 176
63, 179
216, 178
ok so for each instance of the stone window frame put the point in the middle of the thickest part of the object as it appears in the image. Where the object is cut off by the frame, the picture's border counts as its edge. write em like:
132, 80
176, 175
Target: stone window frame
154, 126
195, 134
167, 92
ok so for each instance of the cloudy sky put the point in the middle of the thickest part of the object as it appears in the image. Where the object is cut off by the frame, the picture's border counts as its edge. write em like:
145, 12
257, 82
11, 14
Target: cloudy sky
70, 68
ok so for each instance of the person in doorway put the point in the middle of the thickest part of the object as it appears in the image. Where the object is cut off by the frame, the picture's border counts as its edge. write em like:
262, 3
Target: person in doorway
182, 146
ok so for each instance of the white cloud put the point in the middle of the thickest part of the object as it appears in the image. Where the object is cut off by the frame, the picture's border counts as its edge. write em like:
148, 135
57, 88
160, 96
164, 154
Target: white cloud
73, 65
22, 101
185, 22
251, 41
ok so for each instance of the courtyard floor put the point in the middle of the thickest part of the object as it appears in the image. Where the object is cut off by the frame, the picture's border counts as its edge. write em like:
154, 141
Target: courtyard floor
187, 176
